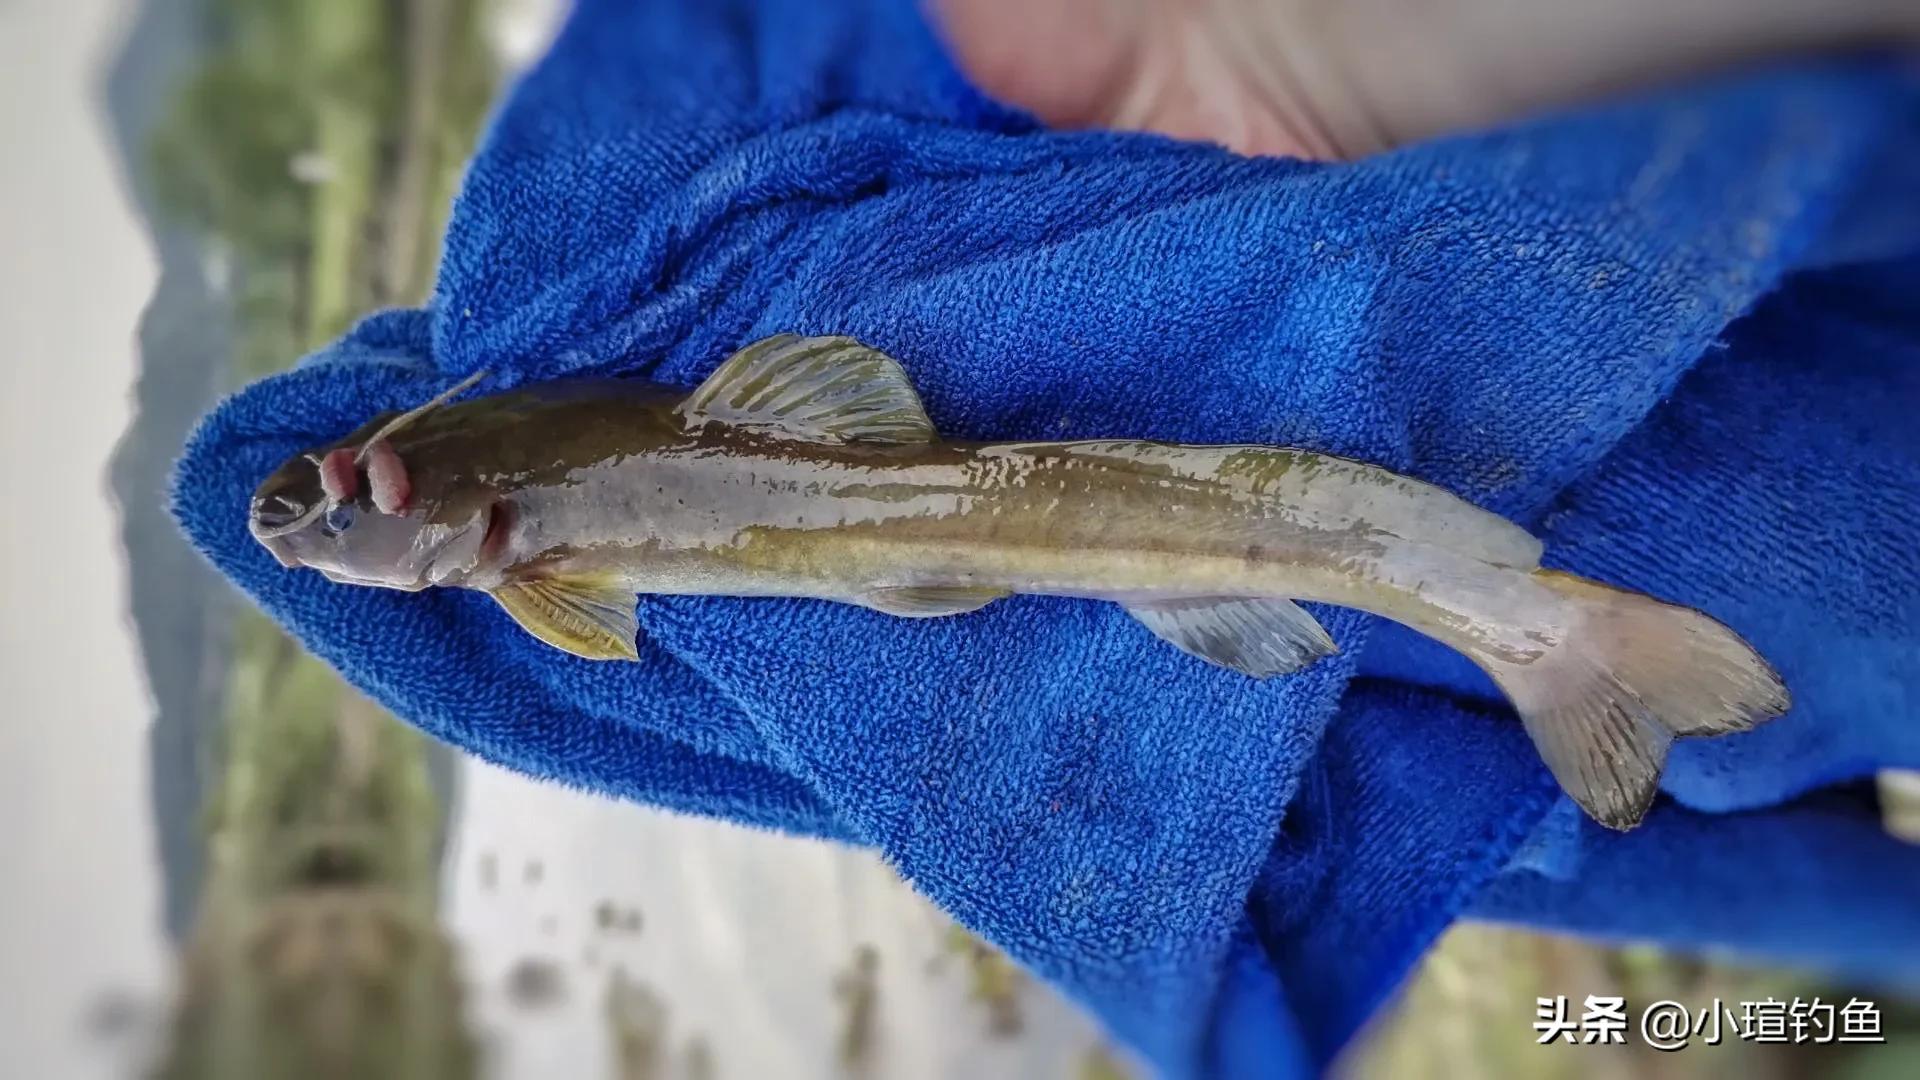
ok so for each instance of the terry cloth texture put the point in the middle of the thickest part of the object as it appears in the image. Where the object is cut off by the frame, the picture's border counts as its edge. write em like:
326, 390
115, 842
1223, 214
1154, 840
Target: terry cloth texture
1675, 336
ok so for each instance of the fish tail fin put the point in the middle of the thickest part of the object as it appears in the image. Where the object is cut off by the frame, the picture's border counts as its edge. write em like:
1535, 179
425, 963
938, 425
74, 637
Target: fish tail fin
1632, 673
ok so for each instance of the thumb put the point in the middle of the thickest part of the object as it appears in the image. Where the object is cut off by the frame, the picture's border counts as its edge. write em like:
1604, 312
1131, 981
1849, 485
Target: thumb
1344, 78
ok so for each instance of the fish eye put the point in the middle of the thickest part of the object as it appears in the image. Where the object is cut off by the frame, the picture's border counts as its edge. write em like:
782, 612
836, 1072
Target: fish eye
338, 520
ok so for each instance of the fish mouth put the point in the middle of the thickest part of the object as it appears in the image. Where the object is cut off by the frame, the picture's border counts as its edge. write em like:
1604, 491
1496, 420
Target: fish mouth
340, 577
270, 514
270, 520
272, 539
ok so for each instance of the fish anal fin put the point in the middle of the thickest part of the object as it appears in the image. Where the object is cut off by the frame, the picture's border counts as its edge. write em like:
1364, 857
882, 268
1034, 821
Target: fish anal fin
926, 602
586, 615
1607, 753
823, 389
1256, 636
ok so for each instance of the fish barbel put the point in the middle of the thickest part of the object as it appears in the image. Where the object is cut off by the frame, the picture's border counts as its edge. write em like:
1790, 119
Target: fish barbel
807, 467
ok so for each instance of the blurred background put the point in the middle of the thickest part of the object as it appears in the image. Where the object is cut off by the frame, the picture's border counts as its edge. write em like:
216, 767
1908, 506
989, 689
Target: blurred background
225, 863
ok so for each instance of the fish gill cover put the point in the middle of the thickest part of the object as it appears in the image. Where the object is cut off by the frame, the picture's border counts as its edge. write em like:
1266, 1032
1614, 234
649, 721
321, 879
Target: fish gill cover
1667, 335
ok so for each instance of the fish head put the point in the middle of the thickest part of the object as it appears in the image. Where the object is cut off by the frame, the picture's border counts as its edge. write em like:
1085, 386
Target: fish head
360, 517
429, 496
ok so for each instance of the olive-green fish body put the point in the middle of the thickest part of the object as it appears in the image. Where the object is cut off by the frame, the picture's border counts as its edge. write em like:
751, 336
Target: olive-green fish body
807, 467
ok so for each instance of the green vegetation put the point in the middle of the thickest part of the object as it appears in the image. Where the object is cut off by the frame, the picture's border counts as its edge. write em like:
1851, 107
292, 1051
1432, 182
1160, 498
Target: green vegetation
994, 981
317, 951
319, 146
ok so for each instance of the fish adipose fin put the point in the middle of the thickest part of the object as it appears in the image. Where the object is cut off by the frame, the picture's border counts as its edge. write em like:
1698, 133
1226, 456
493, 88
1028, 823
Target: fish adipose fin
920, 602
1632, 673
822, 389
586, 615
1252, 635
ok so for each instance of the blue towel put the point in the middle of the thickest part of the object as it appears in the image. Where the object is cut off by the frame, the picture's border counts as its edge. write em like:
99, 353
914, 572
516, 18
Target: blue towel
1675, 336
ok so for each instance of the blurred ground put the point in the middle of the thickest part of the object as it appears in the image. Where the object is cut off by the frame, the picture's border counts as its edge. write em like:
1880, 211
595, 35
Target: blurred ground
757, 954
1470, 1011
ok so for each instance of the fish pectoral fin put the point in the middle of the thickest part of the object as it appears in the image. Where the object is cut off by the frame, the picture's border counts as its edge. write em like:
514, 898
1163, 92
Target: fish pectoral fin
586, 615
822, 389
1252, 635
926, 602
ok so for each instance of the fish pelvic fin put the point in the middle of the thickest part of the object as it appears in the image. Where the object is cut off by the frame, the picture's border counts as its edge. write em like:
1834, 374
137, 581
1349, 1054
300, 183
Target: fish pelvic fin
821, 389
1255, 636
1604, 704
588, 615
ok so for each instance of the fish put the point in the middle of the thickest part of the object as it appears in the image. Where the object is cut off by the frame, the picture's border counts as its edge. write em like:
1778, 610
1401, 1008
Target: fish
807, 467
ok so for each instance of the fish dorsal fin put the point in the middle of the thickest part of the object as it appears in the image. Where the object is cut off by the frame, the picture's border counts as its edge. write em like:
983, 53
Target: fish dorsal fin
1252, 635
926, 602
587, 615
822, 389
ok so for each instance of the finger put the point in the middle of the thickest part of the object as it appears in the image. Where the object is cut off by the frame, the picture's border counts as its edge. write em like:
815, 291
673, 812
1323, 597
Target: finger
1065, 61
1378, 73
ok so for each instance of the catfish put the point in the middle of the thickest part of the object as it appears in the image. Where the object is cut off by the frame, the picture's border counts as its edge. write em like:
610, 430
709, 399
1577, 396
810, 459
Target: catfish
807, 467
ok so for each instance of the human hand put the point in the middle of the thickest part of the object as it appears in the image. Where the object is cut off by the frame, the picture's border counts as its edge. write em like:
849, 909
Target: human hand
1344, 78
